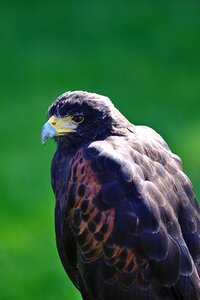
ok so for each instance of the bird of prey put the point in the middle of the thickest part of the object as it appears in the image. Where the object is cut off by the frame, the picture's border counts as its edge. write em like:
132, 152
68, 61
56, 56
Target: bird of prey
126, 218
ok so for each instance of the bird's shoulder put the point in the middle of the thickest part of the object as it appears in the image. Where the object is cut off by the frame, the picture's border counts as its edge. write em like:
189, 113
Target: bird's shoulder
141, 160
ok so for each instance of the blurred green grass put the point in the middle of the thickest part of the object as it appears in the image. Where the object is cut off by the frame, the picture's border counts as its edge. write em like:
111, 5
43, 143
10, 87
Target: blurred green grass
144, 55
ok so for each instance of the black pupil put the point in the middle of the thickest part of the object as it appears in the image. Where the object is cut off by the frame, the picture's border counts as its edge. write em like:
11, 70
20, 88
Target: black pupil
78, 119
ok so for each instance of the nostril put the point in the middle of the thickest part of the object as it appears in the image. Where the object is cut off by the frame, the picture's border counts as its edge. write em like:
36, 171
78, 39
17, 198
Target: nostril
53, 123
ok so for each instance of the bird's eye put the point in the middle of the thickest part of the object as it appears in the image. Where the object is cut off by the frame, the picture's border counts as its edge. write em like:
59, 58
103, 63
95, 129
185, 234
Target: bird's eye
78, 119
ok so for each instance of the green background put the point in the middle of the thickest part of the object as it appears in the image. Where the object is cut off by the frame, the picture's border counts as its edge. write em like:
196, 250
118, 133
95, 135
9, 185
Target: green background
144, 55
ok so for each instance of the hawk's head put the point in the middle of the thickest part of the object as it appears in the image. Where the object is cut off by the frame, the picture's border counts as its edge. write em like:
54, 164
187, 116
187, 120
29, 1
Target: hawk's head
79, 117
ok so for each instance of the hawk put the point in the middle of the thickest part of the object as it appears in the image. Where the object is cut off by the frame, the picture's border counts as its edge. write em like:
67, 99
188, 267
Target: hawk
126, 218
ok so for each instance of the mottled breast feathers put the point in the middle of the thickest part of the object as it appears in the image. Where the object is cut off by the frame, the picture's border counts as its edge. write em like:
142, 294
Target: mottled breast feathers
134, 218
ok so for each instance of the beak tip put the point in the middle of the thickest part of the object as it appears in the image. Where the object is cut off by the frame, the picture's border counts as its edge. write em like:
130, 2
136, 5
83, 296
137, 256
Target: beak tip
47, 132
43, 139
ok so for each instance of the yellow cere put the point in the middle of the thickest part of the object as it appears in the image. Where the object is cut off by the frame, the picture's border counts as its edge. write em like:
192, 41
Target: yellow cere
62, 125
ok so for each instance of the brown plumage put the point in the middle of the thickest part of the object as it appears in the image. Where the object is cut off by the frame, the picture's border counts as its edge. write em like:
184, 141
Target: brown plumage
127, 220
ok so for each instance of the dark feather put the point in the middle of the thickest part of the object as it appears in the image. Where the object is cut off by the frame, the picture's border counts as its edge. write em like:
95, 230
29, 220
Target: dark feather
127, 220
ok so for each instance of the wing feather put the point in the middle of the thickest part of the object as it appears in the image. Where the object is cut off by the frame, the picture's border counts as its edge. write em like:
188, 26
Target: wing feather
135, 215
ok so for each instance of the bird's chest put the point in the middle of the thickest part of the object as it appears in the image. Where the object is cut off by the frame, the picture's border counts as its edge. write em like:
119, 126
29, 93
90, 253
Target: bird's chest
60, 170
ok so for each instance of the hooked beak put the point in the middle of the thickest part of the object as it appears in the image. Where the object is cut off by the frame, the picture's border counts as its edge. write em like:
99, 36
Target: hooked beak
48, 131
56, 126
